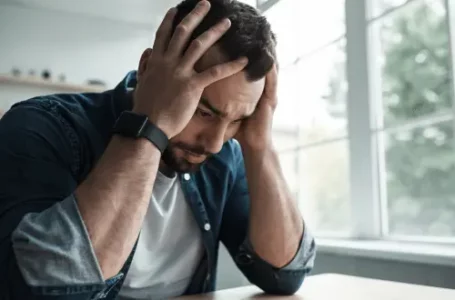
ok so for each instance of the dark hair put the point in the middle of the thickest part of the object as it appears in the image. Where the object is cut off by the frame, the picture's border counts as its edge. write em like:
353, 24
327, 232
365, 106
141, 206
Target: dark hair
250, 34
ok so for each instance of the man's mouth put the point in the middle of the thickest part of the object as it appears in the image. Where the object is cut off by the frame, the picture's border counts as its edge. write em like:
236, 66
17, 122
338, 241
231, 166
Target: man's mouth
193, 157
194, 153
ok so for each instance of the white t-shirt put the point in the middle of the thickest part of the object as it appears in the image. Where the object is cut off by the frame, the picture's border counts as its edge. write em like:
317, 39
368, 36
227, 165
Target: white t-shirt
169, 248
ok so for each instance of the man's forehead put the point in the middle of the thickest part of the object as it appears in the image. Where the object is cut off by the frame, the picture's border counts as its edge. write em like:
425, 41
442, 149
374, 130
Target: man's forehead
234, 97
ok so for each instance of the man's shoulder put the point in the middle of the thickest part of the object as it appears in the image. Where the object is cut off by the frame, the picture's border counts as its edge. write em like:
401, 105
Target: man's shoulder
81, 112
76, 122
57, 104
33, 112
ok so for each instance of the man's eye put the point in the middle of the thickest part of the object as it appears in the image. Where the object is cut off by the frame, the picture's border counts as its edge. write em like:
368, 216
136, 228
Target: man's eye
203, 114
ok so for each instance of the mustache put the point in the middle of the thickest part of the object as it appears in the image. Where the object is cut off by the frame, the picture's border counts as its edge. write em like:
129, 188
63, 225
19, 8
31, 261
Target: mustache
196, 149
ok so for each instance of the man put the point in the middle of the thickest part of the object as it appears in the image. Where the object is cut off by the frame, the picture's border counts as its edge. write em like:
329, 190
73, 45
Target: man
126, 194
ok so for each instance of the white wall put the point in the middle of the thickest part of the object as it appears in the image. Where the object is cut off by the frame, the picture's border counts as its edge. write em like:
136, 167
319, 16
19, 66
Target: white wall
12, 93
78, 46
228, 275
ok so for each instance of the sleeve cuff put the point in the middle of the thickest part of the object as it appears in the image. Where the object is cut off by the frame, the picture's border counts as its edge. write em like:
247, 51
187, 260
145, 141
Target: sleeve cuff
304, 257
59, 238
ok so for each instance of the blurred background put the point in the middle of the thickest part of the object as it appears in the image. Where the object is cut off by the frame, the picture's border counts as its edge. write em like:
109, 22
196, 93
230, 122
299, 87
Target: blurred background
364, 125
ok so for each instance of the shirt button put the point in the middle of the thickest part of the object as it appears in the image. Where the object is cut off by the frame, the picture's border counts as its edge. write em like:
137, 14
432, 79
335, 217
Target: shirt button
186, 176
244, 258
207, 227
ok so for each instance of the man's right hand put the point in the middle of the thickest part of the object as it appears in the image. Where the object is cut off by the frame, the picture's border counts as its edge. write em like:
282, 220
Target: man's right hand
169, 89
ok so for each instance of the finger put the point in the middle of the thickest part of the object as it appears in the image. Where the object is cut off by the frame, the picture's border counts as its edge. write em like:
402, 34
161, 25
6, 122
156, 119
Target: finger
163, 34
186, 27
271, 86
221, 71
271, 81
202, 43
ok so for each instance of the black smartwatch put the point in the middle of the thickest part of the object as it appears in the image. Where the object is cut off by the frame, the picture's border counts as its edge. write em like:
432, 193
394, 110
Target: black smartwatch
134, 125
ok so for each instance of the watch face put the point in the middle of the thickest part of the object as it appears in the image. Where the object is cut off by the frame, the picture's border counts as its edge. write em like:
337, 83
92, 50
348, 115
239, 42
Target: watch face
131, 124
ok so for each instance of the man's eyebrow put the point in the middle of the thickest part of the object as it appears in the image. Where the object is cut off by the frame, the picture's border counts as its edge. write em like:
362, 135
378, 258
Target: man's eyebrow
216, 111
212, 108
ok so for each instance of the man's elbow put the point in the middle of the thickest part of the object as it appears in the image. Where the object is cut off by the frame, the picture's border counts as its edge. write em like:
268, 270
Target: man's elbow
284, 284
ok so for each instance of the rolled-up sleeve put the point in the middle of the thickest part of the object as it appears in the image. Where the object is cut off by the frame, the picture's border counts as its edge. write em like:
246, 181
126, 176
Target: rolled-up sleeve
304, 257
58, 237
284, 281
45, 250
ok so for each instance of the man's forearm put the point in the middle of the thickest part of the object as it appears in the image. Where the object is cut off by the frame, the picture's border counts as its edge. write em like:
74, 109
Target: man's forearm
113, 200
275, 228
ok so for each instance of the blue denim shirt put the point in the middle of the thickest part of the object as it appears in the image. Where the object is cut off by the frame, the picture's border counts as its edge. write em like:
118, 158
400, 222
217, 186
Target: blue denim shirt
49, 144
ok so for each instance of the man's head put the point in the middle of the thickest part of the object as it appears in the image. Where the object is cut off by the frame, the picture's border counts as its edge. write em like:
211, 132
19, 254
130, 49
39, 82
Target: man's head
226, 103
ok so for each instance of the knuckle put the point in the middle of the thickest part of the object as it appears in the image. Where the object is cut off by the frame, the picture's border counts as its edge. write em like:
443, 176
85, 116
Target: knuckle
197, 44
215, 71
181, 29
196, 13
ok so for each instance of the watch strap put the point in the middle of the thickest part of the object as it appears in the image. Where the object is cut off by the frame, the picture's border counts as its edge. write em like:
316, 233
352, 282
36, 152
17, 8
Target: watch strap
134, 125
155, 135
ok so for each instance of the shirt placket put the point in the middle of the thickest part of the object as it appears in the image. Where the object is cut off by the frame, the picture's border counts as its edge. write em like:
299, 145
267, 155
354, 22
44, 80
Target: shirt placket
194, 200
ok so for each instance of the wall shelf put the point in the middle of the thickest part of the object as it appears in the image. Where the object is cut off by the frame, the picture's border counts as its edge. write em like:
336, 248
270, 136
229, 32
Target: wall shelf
48, 84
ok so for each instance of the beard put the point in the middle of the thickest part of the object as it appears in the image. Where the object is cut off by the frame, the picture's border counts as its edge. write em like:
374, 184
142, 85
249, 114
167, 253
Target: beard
178, 163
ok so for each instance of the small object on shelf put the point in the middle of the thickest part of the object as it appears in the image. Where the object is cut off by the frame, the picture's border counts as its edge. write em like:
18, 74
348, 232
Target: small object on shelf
97, 82
16, 72
48, 84
32, 73
46, 74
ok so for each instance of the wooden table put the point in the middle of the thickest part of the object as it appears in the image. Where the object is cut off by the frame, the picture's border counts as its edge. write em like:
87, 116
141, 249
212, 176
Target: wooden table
339, 287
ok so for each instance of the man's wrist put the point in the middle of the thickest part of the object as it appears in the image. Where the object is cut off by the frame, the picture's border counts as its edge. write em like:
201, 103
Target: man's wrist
257, 149
135, 125
136, 144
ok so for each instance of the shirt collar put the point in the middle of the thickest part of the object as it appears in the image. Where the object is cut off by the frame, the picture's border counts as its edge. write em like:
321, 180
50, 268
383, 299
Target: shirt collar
123, 96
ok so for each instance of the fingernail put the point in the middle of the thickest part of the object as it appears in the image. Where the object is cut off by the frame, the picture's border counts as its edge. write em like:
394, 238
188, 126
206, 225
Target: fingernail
226, 23
203, 3
244, 60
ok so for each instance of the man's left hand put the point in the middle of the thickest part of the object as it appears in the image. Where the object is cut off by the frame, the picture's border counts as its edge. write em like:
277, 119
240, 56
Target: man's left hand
256, 132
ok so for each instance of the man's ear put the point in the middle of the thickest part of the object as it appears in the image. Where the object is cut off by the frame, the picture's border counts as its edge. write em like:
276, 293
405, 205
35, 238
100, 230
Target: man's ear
143, 63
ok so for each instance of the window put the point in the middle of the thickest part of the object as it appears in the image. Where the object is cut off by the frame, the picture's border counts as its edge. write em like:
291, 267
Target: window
261, 2
249, 2
416, 124
324, 187
380, 7
310, 127
365, 120
419, 179
415, 60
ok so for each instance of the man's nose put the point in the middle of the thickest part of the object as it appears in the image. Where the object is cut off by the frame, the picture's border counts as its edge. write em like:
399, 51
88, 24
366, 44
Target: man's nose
214, 138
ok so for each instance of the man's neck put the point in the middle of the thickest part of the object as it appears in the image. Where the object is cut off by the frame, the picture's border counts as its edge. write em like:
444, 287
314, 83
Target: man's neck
165, 170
